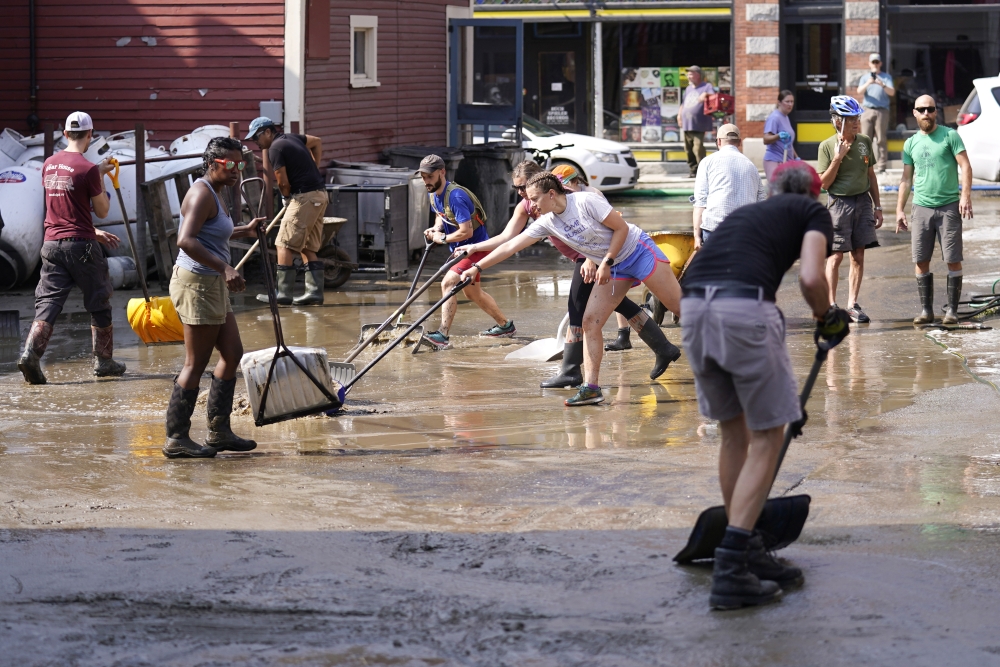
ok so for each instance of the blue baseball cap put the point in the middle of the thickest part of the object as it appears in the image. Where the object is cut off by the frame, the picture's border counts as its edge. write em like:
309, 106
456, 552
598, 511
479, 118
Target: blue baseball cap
258, 124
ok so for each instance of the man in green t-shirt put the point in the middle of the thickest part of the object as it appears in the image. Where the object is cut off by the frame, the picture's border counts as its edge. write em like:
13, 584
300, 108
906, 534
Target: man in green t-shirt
847, 170
931, 159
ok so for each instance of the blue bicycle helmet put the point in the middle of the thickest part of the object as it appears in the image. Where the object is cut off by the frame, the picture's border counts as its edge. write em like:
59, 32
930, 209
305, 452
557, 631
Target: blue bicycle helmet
845, 105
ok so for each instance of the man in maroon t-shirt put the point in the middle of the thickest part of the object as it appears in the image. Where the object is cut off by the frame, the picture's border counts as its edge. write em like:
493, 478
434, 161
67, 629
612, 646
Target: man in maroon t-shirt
74, 193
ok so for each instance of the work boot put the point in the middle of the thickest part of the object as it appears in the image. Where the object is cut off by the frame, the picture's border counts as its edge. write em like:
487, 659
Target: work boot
925, 288
30, 363
104, 344
571, 374
179, 444
620, 343
220, 406
666, 352
735, 586
284, 278
768, 568
954, 293
315, 281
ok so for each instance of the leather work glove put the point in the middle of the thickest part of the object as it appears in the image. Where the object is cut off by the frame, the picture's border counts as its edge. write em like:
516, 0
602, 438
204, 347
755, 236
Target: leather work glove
784, 136
834, 326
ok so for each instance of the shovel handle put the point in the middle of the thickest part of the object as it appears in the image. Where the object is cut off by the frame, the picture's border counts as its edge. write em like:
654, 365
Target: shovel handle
139, 269
256, 243
807, 388
114, 174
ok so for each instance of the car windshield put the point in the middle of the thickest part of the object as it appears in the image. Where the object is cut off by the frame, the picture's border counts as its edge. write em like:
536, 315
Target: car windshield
537, 127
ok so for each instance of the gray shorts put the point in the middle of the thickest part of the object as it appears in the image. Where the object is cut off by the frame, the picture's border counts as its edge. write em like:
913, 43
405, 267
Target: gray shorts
736, 348
853, 222
944, 224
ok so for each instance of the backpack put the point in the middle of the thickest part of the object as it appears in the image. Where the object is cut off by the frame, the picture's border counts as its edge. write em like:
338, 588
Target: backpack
478, 215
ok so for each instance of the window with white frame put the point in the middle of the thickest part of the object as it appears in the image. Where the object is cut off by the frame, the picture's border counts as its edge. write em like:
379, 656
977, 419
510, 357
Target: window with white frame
364, 50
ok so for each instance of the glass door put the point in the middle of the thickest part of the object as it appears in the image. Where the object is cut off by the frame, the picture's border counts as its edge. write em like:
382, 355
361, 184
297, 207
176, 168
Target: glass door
557, 90
812, 69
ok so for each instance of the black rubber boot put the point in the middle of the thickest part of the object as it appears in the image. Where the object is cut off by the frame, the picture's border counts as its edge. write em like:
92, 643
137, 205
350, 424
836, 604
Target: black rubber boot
768, 568
30, 363
104, 345
179, 444
220, 406
620, 343
571, 374
314, 286
925, 288
954, 294
285, 282
735, 586
666, 352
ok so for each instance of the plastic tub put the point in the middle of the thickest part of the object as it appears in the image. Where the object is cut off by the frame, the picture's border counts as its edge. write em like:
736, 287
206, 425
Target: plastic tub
292, 394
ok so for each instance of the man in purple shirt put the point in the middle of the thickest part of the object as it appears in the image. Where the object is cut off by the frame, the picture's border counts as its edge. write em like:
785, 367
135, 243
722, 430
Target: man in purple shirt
694, 122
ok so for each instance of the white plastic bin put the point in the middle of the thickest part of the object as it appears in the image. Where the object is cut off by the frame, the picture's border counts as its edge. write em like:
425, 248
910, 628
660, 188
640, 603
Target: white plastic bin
292, 394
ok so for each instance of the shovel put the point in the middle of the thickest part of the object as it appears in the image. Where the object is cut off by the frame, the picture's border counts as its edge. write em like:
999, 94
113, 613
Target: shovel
344, 371
546, 349
782, 518
388, 333
153, 319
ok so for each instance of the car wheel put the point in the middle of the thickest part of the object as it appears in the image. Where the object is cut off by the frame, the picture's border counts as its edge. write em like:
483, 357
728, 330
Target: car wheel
334, 276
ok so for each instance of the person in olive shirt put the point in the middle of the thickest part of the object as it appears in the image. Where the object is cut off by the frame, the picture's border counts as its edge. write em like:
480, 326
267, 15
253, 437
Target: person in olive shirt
847, 170
295, 159
931, 160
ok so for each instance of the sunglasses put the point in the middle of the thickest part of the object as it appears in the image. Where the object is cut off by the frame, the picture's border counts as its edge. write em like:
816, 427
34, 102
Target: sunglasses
230, 165
925, 109
520, 188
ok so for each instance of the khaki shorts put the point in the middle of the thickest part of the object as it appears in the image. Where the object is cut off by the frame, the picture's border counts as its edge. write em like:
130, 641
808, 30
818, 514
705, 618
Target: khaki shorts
853, 222
736, 348
199, 299
302, 225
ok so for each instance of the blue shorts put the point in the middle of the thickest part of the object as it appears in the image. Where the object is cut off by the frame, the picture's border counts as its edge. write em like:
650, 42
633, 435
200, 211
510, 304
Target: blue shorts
641, 263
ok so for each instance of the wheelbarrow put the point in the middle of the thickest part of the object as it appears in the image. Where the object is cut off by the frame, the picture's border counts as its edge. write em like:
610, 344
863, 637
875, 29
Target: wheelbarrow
679, 249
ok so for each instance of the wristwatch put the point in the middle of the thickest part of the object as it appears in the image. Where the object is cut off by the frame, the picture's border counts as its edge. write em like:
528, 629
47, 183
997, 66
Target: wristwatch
878, 208
610, 261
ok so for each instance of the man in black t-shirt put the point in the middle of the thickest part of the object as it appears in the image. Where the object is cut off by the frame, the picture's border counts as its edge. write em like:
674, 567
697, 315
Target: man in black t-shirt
295, 159
734, 336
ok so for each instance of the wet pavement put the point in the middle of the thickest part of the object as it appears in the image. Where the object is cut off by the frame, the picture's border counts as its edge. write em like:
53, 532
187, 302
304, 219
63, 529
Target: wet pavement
456, 514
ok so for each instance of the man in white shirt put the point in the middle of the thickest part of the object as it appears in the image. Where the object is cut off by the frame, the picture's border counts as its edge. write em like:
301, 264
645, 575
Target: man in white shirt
726, 180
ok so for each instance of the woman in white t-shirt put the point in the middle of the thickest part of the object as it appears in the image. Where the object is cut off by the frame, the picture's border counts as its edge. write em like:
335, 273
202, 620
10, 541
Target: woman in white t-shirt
616, 251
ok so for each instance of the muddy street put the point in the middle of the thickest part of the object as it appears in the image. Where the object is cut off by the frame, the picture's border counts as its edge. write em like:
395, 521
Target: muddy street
453, 513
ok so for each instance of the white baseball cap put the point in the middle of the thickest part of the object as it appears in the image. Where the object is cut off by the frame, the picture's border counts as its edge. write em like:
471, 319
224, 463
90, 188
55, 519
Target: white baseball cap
873, 57
79, 121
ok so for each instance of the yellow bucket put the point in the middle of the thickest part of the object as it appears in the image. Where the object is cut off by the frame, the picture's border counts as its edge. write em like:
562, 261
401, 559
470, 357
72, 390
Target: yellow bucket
155, 321
677, 246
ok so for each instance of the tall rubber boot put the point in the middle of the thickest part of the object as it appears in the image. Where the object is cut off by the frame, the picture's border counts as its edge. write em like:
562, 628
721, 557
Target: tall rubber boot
314, 286
954, 294
220, 406
620, 343
925, 288
571, 374
285, 283
179, 444
104, 345
30, 363
666, 352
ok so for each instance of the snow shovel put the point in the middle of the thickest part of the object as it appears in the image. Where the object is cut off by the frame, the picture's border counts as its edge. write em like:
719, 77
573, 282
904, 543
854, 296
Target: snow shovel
546, 349
782, 518
386, 334
153, 319
10, 325
344, 371
413, 327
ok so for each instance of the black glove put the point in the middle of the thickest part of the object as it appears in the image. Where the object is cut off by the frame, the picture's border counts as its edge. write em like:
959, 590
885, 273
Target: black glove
796, 426
834, 326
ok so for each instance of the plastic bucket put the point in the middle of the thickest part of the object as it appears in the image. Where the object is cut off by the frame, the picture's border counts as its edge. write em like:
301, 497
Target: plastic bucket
10, 144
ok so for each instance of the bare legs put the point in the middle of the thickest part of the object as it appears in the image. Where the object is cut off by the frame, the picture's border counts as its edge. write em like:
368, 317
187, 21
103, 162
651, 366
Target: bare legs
746, 469
199, 343
856, 273
475, 294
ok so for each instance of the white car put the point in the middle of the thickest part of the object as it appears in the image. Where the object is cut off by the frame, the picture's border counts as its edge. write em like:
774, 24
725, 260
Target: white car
979, 127
608, 165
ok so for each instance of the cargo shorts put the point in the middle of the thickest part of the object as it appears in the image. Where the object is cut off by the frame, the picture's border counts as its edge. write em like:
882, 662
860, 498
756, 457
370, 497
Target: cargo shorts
943, 223
853, 222
302, 224
736, 349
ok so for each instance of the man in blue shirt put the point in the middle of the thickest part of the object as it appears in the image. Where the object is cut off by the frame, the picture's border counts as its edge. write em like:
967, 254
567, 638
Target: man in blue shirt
877, 89
694, 122
460, 221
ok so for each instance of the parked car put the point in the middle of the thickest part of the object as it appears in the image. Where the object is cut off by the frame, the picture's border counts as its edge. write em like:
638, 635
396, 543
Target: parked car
608, 165
979, 127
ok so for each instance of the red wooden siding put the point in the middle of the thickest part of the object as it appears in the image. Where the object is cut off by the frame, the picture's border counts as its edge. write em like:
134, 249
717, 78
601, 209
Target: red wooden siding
15, 80
231, 49
409, 108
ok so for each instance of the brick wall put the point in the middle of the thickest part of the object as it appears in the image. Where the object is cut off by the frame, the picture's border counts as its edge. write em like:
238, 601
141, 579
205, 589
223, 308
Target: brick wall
757, 63
861, 30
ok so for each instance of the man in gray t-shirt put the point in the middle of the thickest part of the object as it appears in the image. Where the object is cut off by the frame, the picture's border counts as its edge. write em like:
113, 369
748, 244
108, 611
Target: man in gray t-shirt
877, 88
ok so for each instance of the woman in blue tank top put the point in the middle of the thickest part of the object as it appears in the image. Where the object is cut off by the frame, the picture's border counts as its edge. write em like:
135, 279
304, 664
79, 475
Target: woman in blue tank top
199, 290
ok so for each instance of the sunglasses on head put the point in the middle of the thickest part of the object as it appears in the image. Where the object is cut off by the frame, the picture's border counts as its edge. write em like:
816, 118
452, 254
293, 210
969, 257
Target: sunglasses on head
925, 109
229, 164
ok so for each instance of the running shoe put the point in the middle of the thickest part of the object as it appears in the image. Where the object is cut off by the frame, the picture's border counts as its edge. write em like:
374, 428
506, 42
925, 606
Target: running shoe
438, 340
858, 315
497, 331
585, 396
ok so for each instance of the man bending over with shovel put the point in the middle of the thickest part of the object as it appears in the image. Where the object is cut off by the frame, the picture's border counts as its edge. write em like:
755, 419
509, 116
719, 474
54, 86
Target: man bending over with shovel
72, 253
734, 336
460, 221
